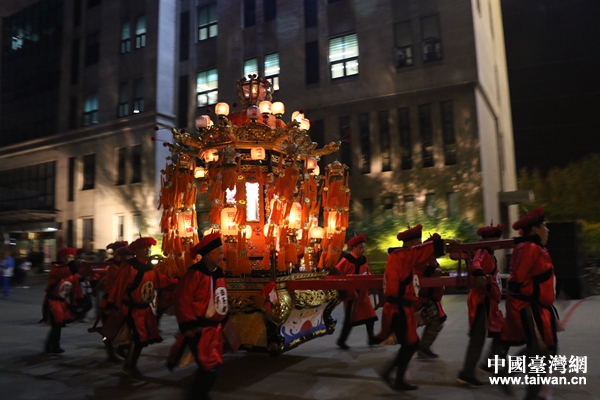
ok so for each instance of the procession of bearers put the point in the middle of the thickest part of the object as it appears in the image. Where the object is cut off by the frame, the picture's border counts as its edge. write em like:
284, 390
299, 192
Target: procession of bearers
201, 305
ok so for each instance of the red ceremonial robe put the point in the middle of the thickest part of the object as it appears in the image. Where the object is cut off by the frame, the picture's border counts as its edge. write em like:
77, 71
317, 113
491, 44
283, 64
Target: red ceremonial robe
136, 303
484, 263
200, 304
530, 283
363, 308
434, 294
114, 266
401, 287
62, 291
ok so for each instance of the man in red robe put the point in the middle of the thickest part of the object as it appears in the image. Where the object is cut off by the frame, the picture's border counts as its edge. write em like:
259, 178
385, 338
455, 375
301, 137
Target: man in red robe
133, 293
401, 289
357, 305
485, 318
62, 294
531, 318
201, 307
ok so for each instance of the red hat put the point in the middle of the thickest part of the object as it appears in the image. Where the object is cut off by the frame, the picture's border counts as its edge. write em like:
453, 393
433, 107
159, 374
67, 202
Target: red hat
117, 245
65, 252
491, 231
530, 219
207, 244
123, 251
435, 236
411, 233
142, 242
357, 240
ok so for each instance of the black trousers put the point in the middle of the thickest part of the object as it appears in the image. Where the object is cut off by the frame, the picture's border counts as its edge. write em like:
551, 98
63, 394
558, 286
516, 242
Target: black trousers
477, 338
347, 327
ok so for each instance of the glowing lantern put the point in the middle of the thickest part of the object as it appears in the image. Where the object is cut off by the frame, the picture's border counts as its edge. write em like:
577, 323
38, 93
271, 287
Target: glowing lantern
332, 219
295, 217
311, 163
200, 173
297, 116
228, 225
258, 153
248, 230
222, 109
277, 109
271, 226
185, 224
202, 121
316, 171
253, 112
265, 107
304, 124
211, 155
316, 233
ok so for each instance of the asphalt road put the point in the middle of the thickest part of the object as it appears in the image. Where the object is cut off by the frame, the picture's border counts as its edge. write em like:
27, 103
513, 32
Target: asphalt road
315, 370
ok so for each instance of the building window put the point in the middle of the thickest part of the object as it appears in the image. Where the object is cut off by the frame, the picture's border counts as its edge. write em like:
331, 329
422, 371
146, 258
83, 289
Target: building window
123, 100
405, 138
92, 48
365, 144
249, 13
429, 204
311, 16
121, 159
89, 171
409, 208
70, 233
120, 227
270, 9
140, 32
426, 135
448, 133
75, 61
403, 45
138, 96
71, 189
384, 140
137, 225
388, 204
453, 208
272, 69
432, 42
346, 146
125, 38
90, 109
250, 67
343, 56
136, 163
317, 132
88, 233
207, 88
312, 62
207, 22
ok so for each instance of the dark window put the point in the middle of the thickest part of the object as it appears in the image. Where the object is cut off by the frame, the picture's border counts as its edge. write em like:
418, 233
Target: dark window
120, 227
184, 36
365, 143
430, 206
140, 32
388, 204
125, 38
88, 233
448, 133
207, 22
207, 88
90, 109
121, 159
343, 56
183, 103
89, 170
138, 96
71, 188
123, 100
405, 138
403, 45
311, 16
312, 62
432, 41
272, 70
317, 132
453, 207
270, 8
409, 207
136, 164
249, 13
367, 207
426, 134
31, 187
384, 140
92, 48
73, 114
93, 3
346, 146
77, 13
70, 234
75, 61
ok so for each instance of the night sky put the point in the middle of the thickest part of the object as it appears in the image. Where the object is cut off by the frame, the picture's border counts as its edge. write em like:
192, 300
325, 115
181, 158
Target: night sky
553, 57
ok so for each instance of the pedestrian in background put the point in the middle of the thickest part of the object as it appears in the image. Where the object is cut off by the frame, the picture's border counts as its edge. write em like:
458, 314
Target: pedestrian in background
8, 269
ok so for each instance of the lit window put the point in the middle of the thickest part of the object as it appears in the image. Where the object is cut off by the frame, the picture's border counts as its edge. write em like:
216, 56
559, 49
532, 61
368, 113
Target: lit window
272, 69
207, 22
123, 100
90, 109
138, 96
126, 38
207, 87
403, 45
343, 56
140, 32
432, 42
250, 67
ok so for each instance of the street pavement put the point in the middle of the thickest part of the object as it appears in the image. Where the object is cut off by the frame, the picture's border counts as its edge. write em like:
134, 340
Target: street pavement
314, 370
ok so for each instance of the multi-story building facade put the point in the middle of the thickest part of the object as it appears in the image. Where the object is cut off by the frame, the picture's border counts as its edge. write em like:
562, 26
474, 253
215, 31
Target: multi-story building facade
417, 91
